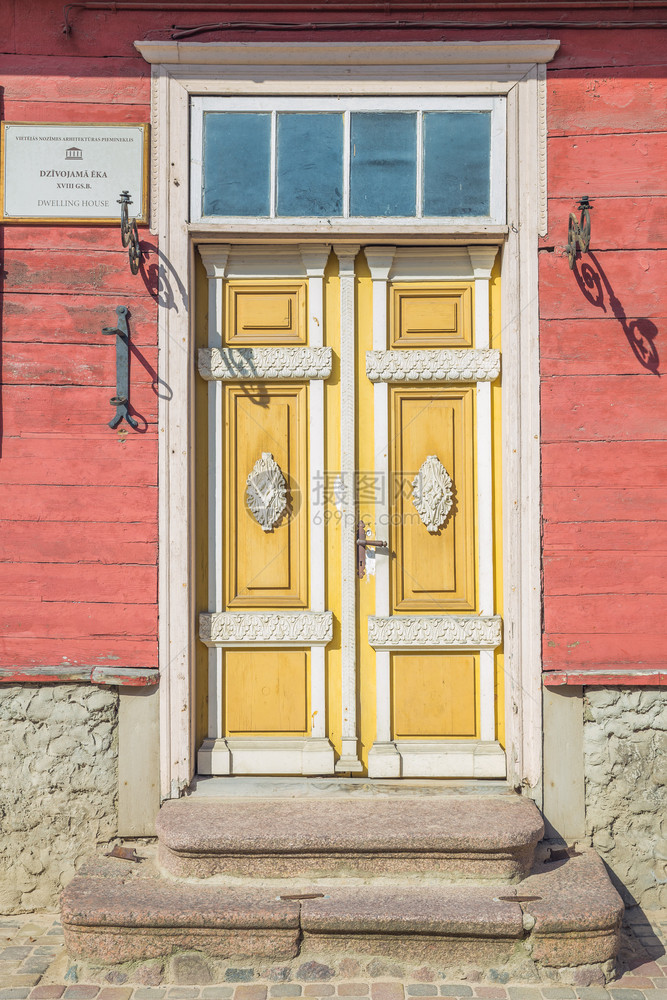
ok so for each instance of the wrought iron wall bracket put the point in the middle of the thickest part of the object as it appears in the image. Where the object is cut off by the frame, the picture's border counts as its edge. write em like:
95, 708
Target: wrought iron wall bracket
120, 400
579, 231
129, 233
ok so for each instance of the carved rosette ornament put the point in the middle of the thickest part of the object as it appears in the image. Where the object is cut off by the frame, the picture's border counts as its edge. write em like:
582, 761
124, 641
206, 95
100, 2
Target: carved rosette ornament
266, 493
432, 493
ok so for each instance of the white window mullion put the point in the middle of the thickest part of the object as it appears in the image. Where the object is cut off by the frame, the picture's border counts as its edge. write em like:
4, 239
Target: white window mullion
347, 155
274, 164
420, 165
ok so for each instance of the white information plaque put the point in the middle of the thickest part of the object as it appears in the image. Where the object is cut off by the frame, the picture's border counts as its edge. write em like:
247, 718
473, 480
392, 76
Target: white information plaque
72, 173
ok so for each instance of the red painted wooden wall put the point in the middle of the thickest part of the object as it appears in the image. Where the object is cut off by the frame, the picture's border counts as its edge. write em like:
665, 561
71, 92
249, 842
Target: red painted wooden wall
78, 501
603, 336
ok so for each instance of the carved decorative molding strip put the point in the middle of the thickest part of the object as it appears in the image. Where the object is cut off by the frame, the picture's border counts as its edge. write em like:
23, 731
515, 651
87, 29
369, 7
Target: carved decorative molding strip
542, 148
433, 365
434, 632
155, 148
432, 493
266, 492
233, 364
270, 628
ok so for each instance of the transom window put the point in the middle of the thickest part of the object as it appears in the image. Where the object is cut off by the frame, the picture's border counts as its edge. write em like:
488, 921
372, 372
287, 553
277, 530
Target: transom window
411, 159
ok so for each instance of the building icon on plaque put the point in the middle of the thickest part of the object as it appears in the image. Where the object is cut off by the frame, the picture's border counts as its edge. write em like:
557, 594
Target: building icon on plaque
73, 153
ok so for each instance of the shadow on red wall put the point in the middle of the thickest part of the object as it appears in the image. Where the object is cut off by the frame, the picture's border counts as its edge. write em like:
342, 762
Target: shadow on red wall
640, 333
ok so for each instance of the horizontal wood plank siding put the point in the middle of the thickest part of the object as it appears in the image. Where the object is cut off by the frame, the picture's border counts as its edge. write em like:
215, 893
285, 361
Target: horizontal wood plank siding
45, 317
634, 223
78, 512
602, 340
607, 100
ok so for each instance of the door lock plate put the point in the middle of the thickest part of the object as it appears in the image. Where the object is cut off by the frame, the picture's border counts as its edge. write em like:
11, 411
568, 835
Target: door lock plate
362, 544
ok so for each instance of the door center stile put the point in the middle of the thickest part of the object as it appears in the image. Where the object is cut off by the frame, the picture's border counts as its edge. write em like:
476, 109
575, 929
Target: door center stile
349, 759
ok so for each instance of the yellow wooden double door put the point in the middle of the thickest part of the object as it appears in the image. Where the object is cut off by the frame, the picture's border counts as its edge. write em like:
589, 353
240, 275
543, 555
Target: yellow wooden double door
348, 537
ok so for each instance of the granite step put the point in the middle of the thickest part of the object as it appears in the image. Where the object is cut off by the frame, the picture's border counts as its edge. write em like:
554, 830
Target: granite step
490, 837
118, 911
565, 914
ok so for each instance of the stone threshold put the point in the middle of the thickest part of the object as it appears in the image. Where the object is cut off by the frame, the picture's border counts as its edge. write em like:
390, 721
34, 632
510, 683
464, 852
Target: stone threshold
245, 787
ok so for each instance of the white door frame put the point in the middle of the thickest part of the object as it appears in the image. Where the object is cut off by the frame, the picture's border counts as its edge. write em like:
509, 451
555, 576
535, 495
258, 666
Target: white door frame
515, 69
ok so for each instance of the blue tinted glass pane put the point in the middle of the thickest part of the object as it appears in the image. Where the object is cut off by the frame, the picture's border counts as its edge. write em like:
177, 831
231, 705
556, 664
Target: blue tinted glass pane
310, 164
457, 154
383, 164
237, 163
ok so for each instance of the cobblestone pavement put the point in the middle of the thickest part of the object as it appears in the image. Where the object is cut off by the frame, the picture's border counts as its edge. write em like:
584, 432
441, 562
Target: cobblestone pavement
34, 966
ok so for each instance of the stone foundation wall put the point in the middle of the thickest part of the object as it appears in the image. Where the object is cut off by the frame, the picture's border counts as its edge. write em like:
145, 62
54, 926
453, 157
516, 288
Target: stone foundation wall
59, 788
625, 758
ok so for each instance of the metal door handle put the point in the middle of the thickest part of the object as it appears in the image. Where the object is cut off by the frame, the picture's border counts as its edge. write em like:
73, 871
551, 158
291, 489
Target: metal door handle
362, 544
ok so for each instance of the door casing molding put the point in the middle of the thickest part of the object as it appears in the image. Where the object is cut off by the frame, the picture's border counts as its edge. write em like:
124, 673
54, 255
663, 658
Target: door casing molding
514, 69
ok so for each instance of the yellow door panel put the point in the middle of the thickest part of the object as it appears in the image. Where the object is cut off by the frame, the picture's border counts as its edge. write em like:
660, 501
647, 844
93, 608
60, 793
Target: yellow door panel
431, 314
266, 568
434, 695
266, 691
267, 313
432, 571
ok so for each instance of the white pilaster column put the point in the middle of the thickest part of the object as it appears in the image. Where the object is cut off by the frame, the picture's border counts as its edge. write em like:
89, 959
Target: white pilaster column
482, 259
213, 757
315, 259
383, 760
349, 759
